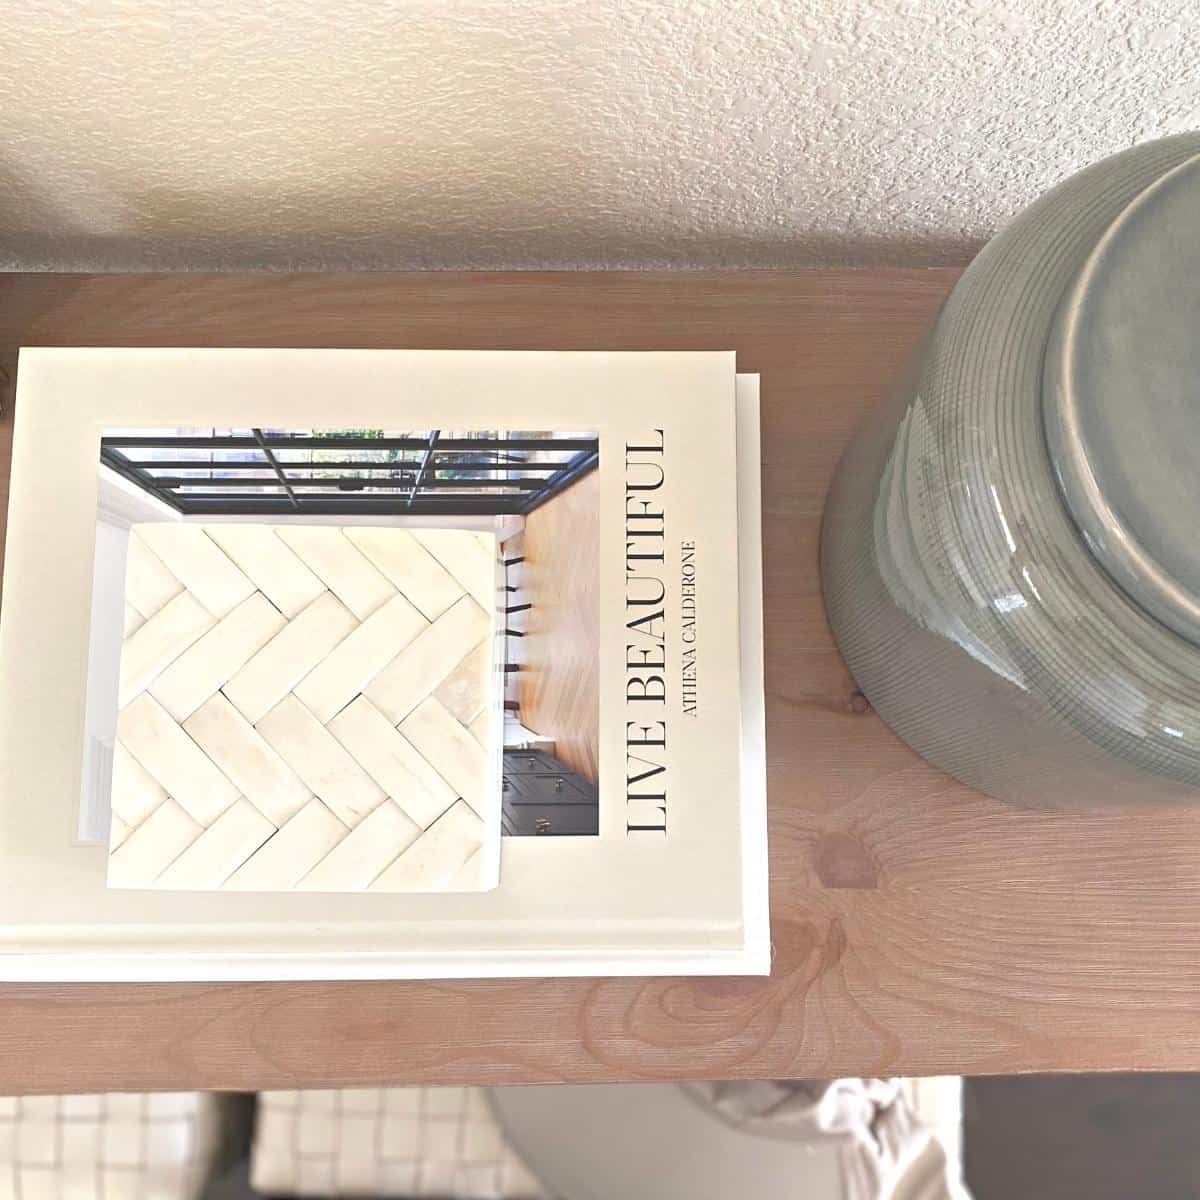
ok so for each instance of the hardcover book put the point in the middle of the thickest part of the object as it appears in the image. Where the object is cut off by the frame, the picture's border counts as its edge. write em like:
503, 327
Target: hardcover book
372, 664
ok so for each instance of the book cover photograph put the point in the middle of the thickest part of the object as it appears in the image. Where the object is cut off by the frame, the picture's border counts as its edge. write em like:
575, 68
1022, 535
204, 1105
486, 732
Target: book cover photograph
383, 664
339, 707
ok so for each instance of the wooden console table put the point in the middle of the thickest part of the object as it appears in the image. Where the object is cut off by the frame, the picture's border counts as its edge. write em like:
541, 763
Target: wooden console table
919, 927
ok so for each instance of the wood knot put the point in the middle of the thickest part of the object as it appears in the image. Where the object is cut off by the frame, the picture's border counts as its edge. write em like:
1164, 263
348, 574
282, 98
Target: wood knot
842, 861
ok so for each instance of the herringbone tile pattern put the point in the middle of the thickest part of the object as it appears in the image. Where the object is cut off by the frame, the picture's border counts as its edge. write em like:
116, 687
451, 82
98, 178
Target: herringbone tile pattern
305, 707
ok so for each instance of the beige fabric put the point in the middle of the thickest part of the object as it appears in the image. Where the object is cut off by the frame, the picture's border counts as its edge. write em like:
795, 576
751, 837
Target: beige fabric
411, 1142
890, 1143
305, 707
136, 1146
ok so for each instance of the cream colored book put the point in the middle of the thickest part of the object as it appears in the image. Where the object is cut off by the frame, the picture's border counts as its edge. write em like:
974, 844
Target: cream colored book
382, 664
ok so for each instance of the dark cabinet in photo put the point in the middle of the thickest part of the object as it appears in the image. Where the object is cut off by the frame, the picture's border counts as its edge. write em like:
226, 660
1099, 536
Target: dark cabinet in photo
542, 796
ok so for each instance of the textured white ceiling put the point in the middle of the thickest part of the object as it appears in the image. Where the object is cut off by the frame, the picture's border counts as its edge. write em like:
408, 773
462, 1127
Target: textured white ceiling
573, 133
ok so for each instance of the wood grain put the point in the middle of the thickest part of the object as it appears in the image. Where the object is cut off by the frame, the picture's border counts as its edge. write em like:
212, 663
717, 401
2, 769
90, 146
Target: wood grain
560, 652
918, 927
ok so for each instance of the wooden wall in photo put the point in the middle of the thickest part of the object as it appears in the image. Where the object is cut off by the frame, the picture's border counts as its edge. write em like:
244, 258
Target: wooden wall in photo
559, 679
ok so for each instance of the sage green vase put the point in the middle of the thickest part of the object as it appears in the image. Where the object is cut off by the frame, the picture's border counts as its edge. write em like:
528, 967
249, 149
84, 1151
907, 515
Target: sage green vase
1011, 546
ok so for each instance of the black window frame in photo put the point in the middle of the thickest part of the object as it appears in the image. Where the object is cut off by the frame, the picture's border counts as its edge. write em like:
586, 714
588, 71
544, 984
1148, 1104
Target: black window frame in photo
427, 488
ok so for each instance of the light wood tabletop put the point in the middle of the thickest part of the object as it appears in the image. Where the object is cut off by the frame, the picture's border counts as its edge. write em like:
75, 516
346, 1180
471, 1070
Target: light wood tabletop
918, 927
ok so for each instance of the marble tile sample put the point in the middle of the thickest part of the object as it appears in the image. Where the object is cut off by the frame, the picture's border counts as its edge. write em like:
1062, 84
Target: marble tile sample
306, 707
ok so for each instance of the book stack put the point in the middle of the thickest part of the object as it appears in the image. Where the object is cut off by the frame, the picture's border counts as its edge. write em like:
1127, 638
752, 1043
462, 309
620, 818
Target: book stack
382, 664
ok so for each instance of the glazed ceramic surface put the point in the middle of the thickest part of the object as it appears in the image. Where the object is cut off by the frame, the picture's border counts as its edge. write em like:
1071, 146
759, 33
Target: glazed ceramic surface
1009, 553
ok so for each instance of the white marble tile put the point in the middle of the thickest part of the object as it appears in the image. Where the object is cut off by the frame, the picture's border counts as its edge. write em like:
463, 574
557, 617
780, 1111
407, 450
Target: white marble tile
470, 558
223, 847
331, 556
391, 761
359, 657
291, 853
409, 566
468, 877
175, 762
450, 750
158, 643
364, 852
133, 620
436, 857
247, 760
270, 564
465, 690
148, 583
481, 727
321, 761
248, 755
198, 563
217, 656
430, 657
152, 847
285, 660
135, 792
118, 831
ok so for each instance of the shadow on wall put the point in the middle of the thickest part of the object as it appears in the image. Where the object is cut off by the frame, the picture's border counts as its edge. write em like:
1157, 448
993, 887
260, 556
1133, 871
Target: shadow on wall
193, 231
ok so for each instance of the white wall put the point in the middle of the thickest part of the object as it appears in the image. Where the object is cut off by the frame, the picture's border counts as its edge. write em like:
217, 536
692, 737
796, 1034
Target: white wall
167, 133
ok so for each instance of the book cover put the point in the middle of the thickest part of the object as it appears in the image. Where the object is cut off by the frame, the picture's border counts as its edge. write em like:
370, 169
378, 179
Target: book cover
598, 690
